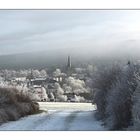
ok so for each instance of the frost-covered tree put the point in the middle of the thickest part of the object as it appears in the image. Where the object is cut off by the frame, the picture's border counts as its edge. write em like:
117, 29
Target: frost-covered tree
23, 89
58, 88
43, 73
136, 106
23, 73
136, 110
119, 100
51, 96
102, 83
36, 73
44, 93
75, 86
57, 72
67, 88
59, 93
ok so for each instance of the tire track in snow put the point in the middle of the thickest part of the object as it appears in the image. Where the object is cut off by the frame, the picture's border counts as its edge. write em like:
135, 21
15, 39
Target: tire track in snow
69, 120
85, 121
56, 122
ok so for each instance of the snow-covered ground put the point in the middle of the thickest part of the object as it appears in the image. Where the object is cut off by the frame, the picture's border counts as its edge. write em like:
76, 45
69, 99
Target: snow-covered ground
60, 116
66, 106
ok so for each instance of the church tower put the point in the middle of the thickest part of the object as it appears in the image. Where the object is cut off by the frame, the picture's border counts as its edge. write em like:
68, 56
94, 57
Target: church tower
69, 63
69, 68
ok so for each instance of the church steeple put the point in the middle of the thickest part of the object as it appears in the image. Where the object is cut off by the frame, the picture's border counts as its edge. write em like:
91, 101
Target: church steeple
69, 62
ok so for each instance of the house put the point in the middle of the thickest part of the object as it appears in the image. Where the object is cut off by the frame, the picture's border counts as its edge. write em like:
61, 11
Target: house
38, 81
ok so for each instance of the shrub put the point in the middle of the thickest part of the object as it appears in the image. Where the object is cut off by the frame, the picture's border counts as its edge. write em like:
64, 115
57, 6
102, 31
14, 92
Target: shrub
14, 104
79, 98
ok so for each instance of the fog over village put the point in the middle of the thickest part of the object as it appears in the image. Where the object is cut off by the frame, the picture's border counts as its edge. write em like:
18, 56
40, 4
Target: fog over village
69, 70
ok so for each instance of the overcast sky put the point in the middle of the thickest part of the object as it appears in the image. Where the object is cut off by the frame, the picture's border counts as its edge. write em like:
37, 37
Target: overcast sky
96, 31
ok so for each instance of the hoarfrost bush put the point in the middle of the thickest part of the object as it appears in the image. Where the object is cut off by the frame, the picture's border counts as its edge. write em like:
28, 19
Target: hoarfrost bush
79, 98
14, 105
102, 83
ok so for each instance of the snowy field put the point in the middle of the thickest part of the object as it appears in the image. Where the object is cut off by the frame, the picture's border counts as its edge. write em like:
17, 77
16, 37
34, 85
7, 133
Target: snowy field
60, 116
66, 106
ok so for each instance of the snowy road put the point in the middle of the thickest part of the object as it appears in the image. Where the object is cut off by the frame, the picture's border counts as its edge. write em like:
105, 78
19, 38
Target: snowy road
60, 116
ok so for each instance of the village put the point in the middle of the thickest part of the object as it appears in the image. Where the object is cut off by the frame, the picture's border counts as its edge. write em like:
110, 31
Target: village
73, 85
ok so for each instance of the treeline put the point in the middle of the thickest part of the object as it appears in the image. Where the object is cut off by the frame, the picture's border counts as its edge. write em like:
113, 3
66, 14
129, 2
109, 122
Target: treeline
117, 96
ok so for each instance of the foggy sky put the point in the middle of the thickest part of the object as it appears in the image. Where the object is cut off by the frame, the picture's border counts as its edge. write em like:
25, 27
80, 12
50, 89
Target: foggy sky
100, 32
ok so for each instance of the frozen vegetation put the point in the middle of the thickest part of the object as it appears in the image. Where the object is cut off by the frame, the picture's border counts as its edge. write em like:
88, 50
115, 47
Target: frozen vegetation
117, 96
14, 105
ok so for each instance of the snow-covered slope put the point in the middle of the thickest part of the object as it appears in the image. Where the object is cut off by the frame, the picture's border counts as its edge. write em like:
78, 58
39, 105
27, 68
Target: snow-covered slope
58, 118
